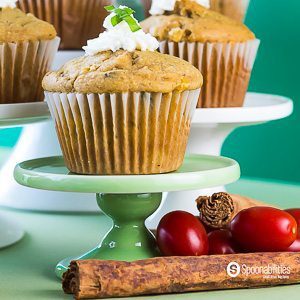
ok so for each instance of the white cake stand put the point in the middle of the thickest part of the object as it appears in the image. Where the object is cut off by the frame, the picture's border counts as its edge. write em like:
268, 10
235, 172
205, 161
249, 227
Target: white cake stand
210, 128
13, 115
37, 140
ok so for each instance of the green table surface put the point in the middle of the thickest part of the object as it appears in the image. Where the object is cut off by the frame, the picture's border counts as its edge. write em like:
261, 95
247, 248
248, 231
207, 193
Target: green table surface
27, 268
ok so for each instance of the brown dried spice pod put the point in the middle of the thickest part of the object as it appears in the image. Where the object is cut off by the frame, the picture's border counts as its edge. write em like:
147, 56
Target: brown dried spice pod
218, 210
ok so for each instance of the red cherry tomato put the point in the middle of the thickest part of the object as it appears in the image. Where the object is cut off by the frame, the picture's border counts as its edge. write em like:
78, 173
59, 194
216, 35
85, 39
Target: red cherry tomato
263, 229
295, 247
180, 233
207, 228
295, 212
221, 242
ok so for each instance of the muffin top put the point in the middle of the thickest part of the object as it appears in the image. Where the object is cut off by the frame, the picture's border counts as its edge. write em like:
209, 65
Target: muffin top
123, 71
123, 59
16, 26
192, 22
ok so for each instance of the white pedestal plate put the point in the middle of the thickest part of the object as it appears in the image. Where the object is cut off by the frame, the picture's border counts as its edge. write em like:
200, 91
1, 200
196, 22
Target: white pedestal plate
13, 115
38, 140
210, 128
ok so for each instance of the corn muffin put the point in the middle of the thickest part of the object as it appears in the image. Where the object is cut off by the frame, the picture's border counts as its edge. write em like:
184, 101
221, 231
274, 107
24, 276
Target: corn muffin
123, 108
223, 49
27, 47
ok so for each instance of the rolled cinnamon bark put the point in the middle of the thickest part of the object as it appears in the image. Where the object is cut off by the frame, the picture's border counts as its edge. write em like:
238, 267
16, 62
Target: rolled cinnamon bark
90, 279
218, 210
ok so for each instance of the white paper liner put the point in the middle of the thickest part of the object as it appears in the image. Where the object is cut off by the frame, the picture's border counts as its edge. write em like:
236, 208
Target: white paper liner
226, 69
123, 133
22, 68
75, 21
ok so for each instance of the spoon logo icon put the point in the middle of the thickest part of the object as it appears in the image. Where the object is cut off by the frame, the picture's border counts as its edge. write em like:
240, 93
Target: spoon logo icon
233, 269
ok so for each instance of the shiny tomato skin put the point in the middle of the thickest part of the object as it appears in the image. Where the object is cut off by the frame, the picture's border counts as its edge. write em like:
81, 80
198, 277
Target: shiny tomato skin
221, 242
180, 233
295, 247
263, 229
208, 229
295, 212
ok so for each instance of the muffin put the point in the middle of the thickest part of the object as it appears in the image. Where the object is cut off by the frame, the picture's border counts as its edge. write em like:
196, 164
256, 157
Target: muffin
27, 46
76, 21
123, 108
223, 49
235, 9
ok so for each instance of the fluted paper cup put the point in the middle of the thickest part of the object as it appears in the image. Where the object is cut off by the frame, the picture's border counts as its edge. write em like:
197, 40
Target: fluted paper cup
123, 133
235, 9
226, 69
75, 21
22, 68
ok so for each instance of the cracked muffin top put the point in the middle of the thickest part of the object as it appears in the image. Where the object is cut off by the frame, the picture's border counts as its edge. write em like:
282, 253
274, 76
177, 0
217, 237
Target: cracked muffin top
123, 71
191, 22
16, 26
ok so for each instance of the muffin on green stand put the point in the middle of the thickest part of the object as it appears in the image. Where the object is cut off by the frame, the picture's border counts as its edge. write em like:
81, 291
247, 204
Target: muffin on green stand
223, 49
27, 49
123, 108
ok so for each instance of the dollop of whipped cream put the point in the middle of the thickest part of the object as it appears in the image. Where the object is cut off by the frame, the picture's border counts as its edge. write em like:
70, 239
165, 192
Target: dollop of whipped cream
159, 7
8, 3
205, 3
120, 37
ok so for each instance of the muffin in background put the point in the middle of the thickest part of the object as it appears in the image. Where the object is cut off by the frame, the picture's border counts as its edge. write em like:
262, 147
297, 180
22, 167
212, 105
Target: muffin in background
123, 108
223, 49
235, 9
76, 21
27, 49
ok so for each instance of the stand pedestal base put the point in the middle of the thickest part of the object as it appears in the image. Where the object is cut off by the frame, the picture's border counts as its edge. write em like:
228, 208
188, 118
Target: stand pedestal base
128, 239
10, 232
128, 199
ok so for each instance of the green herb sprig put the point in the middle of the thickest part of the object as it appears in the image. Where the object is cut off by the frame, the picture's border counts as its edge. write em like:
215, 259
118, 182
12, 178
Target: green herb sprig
123, 14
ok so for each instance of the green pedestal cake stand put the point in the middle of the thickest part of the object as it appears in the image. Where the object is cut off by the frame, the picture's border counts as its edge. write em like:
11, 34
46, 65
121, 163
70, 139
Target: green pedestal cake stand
129, 200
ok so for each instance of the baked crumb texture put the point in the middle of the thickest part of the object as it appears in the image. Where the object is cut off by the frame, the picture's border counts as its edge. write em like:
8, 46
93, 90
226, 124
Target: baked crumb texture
16, 26
123, 71
192, 22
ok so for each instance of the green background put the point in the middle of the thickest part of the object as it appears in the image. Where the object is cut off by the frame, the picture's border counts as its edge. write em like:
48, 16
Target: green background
271, 150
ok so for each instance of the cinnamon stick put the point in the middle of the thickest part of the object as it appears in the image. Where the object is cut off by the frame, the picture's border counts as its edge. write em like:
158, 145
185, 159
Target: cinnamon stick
92, 279
218, 210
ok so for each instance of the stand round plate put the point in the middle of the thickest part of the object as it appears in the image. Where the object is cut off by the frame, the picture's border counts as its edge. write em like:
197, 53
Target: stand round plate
19, 114
13, 115
38, 139
258, 108
128, 200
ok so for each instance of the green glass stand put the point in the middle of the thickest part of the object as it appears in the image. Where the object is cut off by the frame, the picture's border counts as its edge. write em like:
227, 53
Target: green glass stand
128, 200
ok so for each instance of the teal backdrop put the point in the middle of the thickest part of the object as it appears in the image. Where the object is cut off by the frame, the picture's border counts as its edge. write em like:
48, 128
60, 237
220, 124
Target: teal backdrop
271, 150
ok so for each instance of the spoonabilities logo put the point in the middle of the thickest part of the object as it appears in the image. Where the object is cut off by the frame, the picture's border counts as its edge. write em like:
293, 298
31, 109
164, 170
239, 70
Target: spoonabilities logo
233, 269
